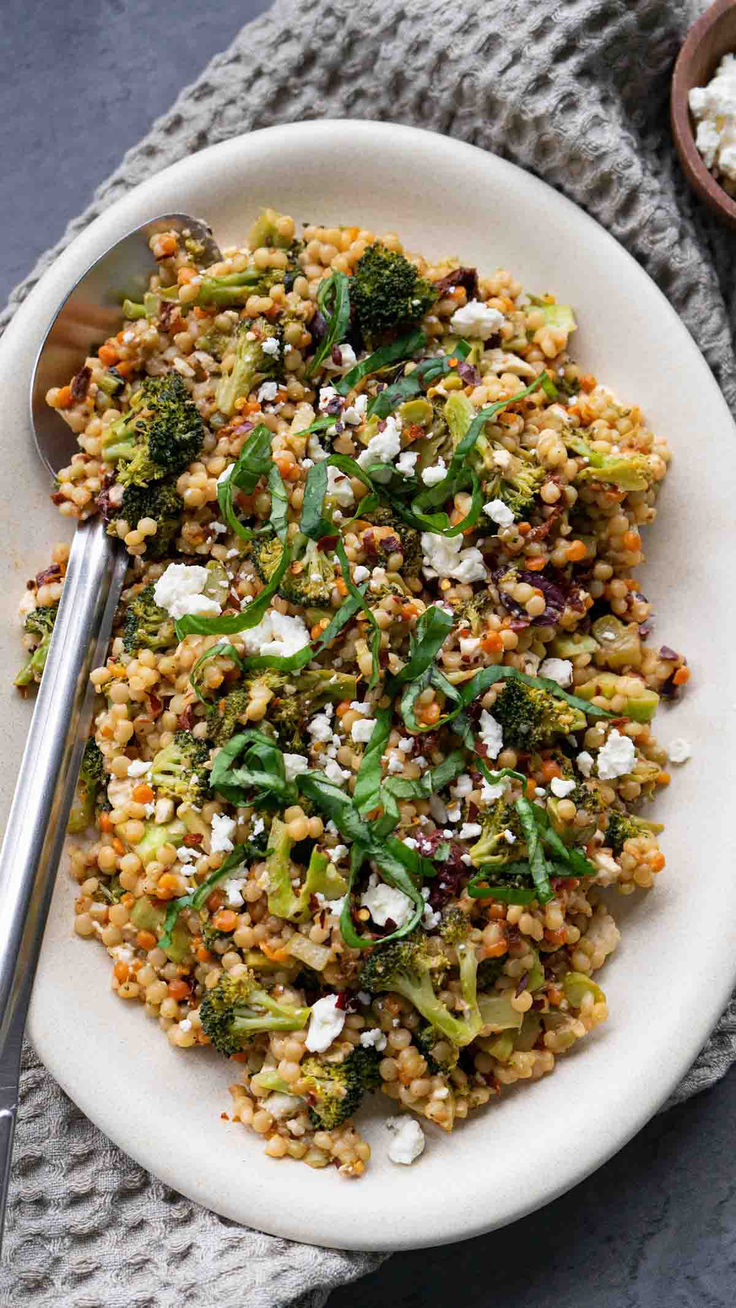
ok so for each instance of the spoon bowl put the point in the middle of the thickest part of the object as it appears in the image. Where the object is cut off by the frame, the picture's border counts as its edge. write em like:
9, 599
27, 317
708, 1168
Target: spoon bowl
709, 39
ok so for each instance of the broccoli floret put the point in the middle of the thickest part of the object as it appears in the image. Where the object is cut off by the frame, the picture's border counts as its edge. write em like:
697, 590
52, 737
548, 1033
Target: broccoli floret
410, 543
624, 826
407, 968
441, 1056
518, 489
474, 612
146, 626
295, 697
39, 624
253, 364
627, 470
91, 779
158, 500
238, 1008
387, 292
492, 846
233, 289
531, 717
160, 435
310, 577
179, 769
334, 1090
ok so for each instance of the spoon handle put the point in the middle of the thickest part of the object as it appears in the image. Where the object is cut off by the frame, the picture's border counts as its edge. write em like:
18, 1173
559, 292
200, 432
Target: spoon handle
44, 791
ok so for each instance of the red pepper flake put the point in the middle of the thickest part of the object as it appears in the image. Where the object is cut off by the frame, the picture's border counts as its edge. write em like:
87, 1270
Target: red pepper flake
193, 839
327, 543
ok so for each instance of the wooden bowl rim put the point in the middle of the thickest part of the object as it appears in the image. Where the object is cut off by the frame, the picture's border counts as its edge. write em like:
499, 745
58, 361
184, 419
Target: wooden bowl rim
699, 176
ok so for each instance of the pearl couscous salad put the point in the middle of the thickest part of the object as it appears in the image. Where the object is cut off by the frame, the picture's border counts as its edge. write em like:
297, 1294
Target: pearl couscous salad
373, 741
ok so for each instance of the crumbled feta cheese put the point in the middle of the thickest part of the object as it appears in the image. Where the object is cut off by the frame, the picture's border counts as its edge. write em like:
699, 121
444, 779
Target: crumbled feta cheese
714, 109
678, 751
384, 903
316, 451
163, 808
335, 773
454, 814
219, 528
509, 836
179, 591
408, 1140
617, 756
233, 889
355, 413
469, 831
326, 1021
476, 319
406, 463
561, 786
328, 397
585, 762
444, 556
469, 646
339, 488
411, 843
405, 745
185, 1024
362, 730
373, 1039
463, 786
609, 870
257, 826
223, 827
138, 768
338, 853
360, 573
491, 733
499, 513
187, 854
347, 359
395, 765
277, 634
294, 764
435, 474
490, 791
559, 670
267, 392
502, 459
120, 790
320, 728
270, 345
333, 907
383, 447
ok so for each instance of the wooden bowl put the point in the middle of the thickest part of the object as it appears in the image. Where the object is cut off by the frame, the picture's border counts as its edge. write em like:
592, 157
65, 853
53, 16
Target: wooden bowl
709, 39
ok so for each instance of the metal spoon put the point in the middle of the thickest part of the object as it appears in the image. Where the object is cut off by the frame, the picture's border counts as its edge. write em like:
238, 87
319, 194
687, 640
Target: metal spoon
44, 790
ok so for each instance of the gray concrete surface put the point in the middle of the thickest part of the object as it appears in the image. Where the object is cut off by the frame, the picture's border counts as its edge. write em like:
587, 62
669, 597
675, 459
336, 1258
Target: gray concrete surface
80, 82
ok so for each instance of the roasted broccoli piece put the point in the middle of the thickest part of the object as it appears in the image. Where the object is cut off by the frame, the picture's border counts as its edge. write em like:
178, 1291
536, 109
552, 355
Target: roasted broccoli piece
39, 624
625, 826
387, 292
409, 541
310, 577
440, 1054
179, 771
531, 717
474, 613
334, 1090
295, 697
518, 489
231, 290
408, 966
145, 625
253, 363
492, 845
158, 500
238, 1008
159, 436
91, 780
628, 470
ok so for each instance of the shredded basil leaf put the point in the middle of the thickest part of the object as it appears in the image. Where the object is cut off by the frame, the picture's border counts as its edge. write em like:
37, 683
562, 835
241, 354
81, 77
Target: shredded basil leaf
360, 597
402, 348
197, 898
415, 382
333, 301
227, 624
537, 861
222, 647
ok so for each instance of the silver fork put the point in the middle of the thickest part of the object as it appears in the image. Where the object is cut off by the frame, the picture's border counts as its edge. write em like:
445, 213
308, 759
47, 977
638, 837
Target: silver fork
44, 790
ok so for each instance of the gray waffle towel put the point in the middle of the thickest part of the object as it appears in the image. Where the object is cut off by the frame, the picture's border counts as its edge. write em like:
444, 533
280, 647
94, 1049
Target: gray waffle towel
576, 91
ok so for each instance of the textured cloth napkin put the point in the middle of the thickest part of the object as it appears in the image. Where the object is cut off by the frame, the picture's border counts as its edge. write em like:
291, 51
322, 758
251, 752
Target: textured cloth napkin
575, 90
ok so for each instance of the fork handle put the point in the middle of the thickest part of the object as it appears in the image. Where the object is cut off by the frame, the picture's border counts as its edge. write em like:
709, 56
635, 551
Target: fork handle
44, 791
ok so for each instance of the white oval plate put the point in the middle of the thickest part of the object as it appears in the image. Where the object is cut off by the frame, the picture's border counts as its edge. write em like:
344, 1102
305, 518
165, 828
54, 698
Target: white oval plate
672, 975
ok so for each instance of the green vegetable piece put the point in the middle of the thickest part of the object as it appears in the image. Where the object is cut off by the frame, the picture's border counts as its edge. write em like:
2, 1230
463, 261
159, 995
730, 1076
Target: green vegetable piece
253, 364
265, 232
238, 1008
158, 834
577, 985
39, 624
160, 435
387, 291
92, 778
418, 412
619, 642
496, 1012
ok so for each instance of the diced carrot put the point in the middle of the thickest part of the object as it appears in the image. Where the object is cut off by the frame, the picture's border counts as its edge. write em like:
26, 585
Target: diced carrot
429, 713
492, 643
145, 940
554, 995
524, 528
681, 676
105, 823
341, 586
530, 787
165, 245
225, 920
275, 955
178, 989
167, 886
495, 951
632, 540
203, 955
126, 368
663, 779
556, 937
587, 383
576, 551
656, 860
64, 397
185, 274
108, 355
535, 564
550, 769
142, 794
118, 845
343, 708
121, 972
